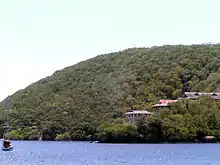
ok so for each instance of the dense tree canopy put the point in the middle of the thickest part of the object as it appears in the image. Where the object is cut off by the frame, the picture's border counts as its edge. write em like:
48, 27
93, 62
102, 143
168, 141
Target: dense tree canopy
79, 101
175, 124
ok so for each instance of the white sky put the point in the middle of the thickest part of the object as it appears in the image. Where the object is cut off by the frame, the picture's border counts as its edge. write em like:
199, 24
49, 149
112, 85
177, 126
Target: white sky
38, 37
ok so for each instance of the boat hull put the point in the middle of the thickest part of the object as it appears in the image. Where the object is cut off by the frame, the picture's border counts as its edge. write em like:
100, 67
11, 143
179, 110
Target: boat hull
7, 149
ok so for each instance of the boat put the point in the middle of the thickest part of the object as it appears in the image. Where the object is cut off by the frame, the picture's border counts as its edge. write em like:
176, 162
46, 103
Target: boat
6, 145
94, 142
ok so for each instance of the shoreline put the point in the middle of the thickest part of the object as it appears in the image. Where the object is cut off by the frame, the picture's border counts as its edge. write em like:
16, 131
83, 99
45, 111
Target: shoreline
98, 142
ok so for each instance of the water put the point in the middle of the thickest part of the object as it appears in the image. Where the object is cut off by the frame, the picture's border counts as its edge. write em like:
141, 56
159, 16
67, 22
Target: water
84, 153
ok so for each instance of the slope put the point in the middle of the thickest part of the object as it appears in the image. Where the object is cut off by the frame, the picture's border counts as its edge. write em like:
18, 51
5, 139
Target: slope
77, 99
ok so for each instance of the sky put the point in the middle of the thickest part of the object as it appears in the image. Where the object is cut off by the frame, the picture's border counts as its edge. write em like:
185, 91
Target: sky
38, 37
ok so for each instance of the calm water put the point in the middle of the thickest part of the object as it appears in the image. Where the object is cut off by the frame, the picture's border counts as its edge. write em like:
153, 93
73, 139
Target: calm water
84, 153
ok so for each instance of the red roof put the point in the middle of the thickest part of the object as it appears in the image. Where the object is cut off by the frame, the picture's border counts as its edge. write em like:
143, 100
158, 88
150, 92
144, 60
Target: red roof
164, 103
167, 101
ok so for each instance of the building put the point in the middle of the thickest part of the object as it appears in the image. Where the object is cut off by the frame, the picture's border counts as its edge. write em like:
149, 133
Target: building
164, 103
134, 115
195, 95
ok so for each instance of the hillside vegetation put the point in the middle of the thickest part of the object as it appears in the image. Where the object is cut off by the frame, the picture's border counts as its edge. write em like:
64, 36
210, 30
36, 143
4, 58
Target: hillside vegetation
81, 102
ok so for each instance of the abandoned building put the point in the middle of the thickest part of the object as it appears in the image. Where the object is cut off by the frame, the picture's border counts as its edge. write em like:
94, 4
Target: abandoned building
135, 115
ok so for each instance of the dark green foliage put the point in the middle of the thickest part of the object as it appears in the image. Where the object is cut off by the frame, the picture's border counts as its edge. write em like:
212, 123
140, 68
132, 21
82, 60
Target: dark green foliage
74, 102
113, 132
176, 124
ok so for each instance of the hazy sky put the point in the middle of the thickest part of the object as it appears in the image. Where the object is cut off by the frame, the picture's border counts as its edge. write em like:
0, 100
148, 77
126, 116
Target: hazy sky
38, 37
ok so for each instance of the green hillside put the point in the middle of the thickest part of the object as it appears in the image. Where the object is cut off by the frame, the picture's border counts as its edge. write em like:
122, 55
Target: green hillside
75, 101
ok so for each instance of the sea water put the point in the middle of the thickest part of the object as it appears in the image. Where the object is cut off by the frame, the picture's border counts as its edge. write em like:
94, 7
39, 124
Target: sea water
85, 153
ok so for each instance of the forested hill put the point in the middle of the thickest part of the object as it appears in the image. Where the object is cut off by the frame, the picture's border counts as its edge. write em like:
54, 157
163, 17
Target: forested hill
79, 98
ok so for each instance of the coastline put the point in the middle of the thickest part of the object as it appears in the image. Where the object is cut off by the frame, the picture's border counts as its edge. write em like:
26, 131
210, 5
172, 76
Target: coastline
103, 142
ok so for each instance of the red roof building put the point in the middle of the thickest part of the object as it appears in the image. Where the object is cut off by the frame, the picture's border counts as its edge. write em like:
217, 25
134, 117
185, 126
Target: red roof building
164, 103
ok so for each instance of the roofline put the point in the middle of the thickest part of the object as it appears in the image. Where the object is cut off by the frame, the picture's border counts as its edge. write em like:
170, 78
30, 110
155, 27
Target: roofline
138, 112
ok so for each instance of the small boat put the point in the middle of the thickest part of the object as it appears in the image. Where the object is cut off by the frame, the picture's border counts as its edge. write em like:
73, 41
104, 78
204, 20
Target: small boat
6, 145
94, 142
